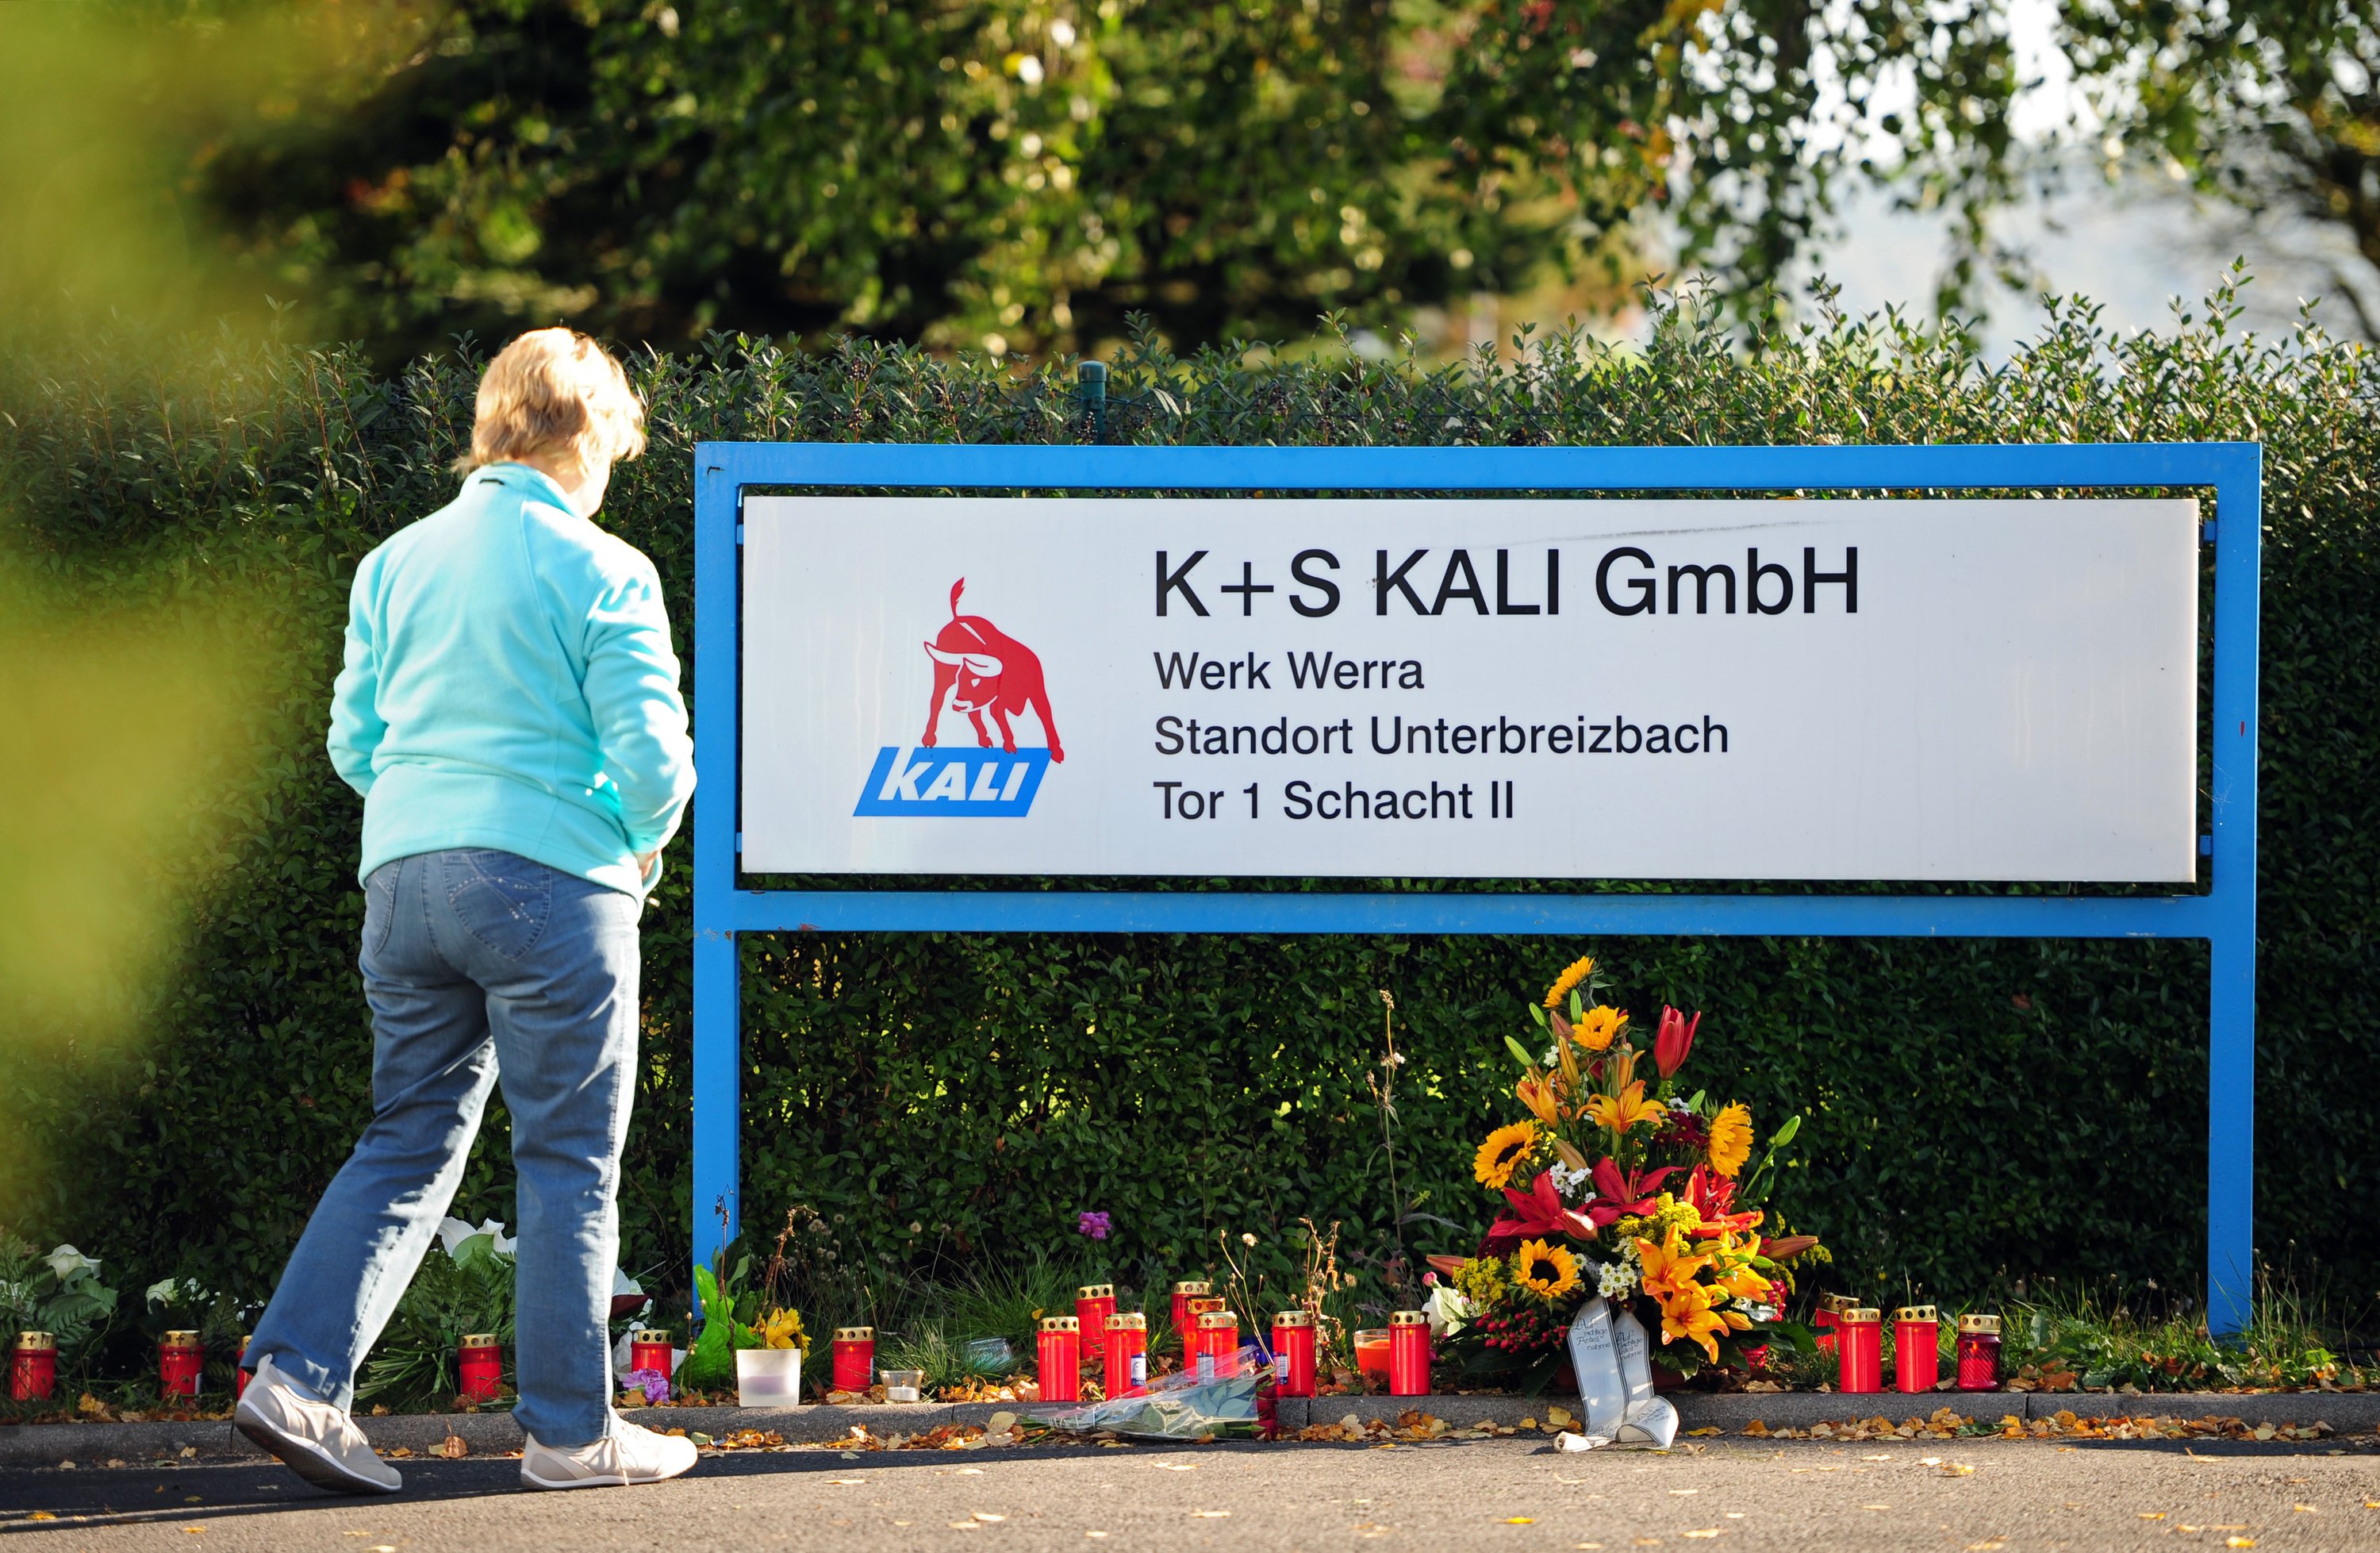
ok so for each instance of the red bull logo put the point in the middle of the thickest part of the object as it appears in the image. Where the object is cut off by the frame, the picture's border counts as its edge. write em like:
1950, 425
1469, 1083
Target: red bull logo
994, 679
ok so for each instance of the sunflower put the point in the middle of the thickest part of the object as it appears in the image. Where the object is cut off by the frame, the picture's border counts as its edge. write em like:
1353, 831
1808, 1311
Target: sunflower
1575, 972
1599, 1027
1731, 1138
1505, 1147
1547, 1271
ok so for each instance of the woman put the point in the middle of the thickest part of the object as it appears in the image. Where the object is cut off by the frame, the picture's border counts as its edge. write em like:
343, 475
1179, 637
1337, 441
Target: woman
509, 710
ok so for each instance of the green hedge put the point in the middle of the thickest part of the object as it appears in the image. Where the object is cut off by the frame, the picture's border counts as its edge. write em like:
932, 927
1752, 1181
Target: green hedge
1979, 1112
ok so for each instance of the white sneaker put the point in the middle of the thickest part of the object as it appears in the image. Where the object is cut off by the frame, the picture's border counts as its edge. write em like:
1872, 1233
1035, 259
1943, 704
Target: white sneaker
628, 1454
316, 1440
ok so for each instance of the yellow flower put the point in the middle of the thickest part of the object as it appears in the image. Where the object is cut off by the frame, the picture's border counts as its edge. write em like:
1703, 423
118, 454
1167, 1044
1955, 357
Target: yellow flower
781, 1329
1627, 1110
1540, 1097
1731, 1138
1668, 1270
1575, 972
1505, 1147
1549, 1270
1689, 1317
1600, 1026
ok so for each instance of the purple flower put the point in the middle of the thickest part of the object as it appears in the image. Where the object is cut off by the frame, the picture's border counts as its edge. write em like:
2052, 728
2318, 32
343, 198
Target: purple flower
1095, 1224
654, 1384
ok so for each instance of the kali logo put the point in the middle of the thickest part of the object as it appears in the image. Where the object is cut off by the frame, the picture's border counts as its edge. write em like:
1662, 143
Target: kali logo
982, 671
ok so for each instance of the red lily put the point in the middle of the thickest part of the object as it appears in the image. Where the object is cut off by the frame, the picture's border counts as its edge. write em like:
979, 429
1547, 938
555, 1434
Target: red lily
1674, 1039
1538, 1212
1618, 1196
1711, 1195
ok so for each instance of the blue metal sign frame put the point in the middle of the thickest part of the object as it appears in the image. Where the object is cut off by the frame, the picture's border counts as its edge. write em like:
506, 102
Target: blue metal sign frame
2225, 916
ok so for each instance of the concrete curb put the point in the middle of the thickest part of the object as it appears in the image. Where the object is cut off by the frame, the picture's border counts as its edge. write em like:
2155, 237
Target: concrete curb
91, 1445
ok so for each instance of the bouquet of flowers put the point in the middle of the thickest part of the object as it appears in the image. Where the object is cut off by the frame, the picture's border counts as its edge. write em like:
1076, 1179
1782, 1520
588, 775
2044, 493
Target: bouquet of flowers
1619, 1184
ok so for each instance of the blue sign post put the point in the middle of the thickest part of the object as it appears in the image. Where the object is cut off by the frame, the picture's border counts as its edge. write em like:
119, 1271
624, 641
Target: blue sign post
2225, 915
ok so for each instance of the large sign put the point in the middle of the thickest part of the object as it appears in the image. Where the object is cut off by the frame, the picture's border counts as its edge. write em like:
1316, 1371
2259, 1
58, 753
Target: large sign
1740, 689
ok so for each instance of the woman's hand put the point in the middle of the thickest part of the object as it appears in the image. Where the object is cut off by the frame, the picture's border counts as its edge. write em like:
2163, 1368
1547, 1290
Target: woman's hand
649, 864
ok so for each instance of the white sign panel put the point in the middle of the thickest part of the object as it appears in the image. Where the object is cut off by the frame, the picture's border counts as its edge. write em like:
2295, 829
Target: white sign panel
1762, 689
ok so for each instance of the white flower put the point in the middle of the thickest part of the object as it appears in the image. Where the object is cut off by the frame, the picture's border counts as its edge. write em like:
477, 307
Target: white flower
1552, 1053
1447, 1310
1762, 1313
1568, 1182
452, 1233
1615, 1277
1677, 1103
161, 1293
67, 1263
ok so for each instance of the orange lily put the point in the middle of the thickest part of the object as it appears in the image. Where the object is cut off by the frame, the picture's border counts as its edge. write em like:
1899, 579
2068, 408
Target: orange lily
1629, 1108
1538, 1095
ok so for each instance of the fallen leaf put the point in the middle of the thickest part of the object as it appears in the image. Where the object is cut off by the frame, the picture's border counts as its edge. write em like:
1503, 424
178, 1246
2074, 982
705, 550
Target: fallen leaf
192, 1531
2303, 1509
2238, 1542
1958, 1469
1930, 1460
1559, 1418
1520, 1520
454, 1448
1875, 1507
2153, 1515
964, 1526
988, 1518
1713, 1430
1208, 1514
40, 1515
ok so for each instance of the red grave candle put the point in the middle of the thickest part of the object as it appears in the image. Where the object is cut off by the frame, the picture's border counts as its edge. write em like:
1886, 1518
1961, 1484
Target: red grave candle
180, 1361
1293, 1352
1094, 1303
650, 1351
1061, 1358
1126, 1371
33, 1368
480, 1367
1979, 1354
1859, 1351
1408, 1353
1219, 1344
855, 1358
1829, 1312
1916, 1349
1185, 1320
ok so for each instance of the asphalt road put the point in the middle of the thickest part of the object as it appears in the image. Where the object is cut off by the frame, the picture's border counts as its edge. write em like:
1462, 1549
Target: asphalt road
1506, 1494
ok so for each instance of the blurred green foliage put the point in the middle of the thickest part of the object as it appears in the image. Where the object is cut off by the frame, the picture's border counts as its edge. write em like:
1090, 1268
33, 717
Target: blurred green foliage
1977, 1112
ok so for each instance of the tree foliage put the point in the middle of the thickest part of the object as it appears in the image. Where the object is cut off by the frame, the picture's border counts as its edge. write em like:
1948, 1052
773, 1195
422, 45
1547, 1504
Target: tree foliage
1977, 1112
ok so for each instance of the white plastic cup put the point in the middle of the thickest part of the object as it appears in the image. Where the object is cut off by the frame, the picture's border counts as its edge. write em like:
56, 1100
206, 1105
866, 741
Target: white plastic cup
769, 1377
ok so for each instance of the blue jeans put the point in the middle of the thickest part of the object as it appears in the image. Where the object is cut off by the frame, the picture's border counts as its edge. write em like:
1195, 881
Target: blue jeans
481, 967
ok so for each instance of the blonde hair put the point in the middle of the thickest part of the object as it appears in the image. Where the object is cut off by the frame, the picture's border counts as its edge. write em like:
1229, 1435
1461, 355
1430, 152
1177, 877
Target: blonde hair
555, 391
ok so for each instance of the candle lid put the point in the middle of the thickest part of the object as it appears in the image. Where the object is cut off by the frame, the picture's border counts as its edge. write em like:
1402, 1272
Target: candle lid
1204, 1303
647, 1335
1407, 1318
1979, 1324
1837, 1303
35, 1342
479, 1339
1061, 1324
1194, 1286
1914, 1312
855, 1334
1294, 1318
1860, 1315
1096, 1291
1217, 1321
180, 1340
1127, 1321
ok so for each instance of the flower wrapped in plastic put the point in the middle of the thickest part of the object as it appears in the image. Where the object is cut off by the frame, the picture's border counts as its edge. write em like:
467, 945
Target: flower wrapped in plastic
1235, 1403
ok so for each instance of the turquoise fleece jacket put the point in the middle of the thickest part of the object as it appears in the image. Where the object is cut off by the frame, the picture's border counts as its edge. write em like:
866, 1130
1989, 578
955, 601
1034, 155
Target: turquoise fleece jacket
509, 683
